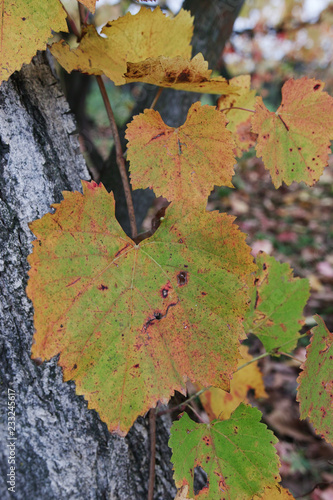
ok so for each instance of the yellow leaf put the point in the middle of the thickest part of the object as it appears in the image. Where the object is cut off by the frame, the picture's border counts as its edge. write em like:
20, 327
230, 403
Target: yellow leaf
25, 27
276, 492
129, 38
240, 121
220, 404
179, 73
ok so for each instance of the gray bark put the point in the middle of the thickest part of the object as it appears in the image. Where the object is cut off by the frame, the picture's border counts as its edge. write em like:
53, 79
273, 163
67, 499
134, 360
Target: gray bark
63, 450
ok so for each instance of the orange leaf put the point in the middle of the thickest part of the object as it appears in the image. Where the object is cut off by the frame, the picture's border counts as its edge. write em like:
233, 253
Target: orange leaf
90, 4
294, 142
181, 164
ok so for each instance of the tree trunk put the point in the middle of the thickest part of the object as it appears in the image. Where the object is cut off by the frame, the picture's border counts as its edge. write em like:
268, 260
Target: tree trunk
63, 450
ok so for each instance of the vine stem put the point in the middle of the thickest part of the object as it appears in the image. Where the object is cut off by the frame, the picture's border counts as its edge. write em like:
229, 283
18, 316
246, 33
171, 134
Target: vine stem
114, 130
156, 98
152, 431
236, 107
272, 352
169, 410
119, 156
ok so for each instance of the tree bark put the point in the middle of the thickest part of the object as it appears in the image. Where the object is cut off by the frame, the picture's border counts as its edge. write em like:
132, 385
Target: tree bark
63, 450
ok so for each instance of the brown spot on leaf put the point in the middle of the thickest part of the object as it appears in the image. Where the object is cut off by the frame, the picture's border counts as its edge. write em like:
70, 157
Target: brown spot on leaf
102, 287
75, 366
182, 278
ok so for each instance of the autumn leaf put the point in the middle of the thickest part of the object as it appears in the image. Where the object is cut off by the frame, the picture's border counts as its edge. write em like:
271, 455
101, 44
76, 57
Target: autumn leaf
90, 4
132, 322
239, 120
237, 455
276, 492
181, 164
294, 142
130, 38
25, 27
220, 404
315, 391
180, 74
277, 304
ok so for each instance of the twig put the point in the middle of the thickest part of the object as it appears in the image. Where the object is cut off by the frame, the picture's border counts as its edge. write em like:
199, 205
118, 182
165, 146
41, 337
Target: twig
158, 93
83, 14
184, 403
152, 431
290, 356
273, 352
119, 156
196, 414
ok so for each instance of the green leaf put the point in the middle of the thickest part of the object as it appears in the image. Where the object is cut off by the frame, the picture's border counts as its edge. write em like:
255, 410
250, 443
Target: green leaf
295, 142
25, 27
237, 455
132, 322
277, 304
315, 391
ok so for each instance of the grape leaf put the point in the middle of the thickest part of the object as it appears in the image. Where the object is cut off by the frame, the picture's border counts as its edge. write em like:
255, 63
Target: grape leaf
129, 38
315, 391
220, 404
276, 492
133, 321
294, 142
237, 455
239, 120
180, 74
181, 164
90, 4
277, 304
25, 27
